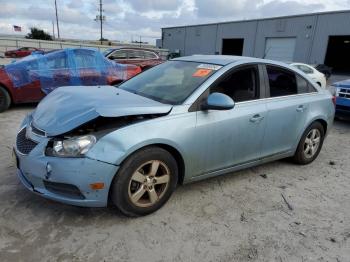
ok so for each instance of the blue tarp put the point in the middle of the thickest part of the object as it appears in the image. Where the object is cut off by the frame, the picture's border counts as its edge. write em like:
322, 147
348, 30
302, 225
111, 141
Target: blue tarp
67, 67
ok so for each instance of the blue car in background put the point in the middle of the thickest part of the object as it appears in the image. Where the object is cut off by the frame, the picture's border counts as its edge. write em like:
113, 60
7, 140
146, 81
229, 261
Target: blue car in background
181, 121
342, 93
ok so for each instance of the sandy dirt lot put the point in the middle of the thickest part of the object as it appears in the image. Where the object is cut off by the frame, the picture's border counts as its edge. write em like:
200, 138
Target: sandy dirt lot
235, 217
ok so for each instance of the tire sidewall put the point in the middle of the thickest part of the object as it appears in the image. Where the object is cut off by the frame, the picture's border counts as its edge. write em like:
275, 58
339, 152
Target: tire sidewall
120, 184
299, 155
7, 103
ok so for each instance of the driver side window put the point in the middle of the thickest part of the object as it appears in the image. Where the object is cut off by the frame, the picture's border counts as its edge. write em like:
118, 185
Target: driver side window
241, 85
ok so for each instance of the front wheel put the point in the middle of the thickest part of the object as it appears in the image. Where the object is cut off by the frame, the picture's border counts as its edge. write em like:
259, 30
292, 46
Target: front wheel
144, 182
310, 144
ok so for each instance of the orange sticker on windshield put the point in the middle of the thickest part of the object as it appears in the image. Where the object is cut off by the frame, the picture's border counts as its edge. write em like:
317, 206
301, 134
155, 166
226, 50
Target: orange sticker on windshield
202, 72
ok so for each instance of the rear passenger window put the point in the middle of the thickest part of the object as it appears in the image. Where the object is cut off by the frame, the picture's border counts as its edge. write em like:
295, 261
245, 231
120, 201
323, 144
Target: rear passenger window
304, 86
240, 85
282, 81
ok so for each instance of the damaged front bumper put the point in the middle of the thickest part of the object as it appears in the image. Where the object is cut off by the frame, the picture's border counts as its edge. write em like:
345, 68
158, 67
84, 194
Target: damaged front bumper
66, 180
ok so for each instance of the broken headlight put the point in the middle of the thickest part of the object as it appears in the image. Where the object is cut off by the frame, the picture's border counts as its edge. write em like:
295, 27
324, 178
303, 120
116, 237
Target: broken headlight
71, 147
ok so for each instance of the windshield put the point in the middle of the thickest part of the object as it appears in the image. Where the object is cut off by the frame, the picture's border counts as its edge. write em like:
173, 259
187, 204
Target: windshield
171, 82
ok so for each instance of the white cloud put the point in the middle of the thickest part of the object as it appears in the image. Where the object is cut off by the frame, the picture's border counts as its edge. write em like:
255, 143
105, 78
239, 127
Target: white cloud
154, 5
225, 8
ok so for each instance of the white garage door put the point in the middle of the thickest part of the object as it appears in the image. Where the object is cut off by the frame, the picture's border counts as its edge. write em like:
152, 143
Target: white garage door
281, 49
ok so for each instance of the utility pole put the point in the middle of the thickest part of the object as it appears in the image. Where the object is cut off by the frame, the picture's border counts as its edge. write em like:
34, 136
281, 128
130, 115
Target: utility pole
100, 18
58, 28
53, 29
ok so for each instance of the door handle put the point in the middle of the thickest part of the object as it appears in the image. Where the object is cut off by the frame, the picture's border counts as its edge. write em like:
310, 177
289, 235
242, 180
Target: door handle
256, 118
301, 108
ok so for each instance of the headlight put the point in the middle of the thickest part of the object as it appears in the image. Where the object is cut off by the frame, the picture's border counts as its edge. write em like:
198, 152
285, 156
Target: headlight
73, 147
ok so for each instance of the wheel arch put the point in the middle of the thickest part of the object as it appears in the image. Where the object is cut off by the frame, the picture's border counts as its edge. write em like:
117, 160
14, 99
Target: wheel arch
319, 119
166, 146
323, 123
179, 160
171, 149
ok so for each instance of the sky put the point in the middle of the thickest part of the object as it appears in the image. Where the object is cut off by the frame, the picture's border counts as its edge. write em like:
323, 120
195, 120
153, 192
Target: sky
127, 20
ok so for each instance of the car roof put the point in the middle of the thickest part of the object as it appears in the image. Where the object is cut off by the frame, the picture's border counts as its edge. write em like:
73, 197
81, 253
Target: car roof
132, 48
225, 59
298, 63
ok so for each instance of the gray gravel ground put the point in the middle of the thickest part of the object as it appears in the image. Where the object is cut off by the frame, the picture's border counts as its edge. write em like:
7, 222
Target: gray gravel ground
236, 217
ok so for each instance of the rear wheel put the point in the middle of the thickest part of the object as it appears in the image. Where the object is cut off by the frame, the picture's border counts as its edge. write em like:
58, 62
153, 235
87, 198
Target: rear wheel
310, 144
5, 99
144, 182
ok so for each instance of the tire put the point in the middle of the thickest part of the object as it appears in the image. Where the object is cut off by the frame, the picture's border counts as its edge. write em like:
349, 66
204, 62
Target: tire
5, 99
134, 192
308, 149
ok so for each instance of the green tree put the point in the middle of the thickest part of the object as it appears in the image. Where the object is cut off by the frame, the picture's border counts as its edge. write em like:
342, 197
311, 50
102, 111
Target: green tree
36, 33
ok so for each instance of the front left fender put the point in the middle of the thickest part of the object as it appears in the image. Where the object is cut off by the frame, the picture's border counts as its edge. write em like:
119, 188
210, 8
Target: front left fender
177, 132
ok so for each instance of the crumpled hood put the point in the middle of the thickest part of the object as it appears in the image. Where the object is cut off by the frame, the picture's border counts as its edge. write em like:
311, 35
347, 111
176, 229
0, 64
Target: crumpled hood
69, 107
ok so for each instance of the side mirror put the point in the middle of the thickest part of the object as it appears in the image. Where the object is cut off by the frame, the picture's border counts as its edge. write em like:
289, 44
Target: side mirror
218, 101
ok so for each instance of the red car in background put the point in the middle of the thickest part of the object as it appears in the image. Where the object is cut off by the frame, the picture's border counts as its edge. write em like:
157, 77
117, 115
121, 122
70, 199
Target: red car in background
142, 57
21, 52
31, 78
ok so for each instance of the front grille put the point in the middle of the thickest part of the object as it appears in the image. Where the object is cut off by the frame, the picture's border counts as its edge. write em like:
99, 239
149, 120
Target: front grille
62, 189
23, 144
37, 131
344, 92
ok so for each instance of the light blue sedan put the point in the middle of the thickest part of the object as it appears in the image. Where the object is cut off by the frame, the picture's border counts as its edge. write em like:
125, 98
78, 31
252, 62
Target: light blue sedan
184, 120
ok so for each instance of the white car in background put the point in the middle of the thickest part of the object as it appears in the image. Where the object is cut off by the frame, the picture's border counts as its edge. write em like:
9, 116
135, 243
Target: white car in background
317, 76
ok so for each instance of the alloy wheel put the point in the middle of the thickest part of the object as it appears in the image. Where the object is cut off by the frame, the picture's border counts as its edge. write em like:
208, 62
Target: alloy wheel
312, 143
149, 183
